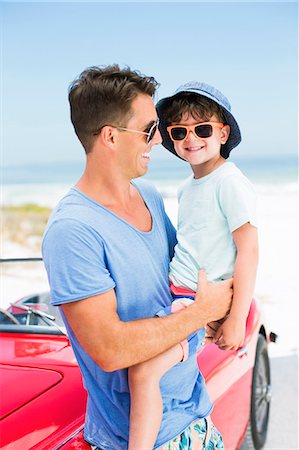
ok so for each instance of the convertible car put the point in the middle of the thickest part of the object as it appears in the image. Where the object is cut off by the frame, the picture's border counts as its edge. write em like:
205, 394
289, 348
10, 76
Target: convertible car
43, 400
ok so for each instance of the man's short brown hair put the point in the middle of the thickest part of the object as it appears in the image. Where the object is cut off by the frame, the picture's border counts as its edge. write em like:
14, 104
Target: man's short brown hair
103, 96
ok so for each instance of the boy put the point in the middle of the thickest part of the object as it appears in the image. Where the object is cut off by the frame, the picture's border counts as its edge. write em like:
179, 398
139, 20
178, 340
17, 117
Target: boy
216, 231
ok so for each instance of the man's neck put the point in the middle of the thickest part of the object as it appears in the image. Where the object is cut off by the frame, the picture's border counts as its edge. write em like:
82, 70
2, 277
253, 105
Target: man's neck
119, 196
107, 187
106, 192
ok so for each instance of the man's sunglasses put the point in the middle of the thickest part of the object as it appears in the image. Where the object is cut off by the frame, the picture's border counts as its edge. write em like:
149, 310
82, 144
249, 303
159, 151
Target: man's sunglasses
202, 130
150, 134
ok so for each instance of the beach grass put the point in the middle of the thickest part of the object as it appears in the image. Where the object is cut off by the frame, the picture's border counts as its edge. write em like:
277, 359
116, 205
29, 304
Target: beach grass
24, 224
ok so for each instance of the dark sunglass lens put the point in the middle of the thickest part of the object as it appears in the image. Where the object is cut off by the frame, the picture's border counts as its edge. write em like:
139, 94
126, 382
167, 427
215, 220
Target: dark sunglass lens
152, 133
204, 131
179, 133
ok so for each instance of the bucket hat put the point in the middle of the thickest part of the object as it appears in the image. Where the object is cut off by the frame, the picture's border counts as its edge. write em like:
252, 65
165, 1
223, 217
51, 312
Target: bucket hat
212, 93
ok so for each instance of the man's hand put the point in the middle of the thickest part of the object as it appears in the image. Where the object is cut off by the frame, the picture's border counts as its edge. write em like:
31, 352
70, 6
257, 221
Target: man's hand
214, 298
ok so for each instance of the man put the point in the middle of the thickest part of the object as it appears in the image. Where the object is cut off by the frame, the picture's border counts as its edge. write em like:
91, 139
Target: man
107, 249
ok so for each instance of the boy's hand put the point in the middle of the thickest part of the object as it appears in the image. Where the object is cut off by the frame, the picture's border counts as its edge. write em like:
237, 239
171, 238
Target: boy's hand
230, 335
211, 330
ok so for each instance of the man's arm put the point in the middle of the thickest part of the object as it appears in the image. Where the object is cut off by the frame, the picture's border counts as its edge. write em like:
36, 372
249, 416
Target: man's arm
114, 344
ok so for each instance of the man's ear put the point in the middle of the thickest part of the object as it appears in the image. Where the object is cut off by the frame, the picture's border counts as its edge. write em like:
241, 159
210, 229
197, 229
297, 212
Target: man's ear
109, 135
224, 134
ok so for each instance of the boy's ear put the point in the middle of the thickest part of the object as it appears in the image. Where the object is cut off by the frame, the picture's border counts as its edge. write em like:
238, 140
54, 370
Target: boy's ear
224, 135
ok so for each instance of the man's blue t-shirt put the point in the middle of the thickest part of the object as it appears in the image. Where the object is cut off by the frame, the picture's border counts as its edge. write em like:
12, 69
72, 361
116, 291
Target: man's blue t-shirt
88, 250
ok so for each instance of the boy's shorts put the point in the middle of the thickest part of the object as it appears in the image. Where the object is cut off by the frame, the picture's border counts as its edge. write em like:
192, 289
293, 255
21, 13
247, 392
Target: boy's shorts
200, 435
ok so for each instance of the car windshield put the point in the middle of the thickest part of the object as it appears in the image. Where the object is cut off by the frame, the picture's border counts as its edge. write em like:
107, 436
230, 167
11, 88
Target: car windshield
32, 312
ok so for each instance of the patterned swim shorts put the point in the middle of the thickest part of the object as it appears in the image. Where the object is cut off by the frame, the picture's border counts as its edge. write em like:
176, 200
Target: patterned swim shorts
200, 435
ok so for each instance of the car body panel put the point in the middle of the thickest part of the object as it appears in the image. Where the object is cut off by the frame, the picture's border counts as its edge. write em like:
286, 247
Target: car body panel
13, 381
228, 377
58, 410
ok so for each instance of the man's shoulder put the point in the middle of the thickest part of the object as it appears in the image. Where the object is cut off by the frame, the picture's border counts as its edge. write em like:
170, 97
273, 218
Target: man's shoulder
76, 205
73, 214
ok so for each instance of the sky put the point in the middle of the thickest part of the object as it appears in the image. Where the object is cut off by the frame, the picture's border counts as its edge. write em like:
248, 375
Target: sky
248, 50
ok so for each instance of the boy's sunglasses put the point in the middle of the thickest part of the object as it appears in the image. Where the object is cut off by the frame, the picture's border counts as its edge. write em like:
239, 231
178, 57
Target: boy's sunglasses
202, 130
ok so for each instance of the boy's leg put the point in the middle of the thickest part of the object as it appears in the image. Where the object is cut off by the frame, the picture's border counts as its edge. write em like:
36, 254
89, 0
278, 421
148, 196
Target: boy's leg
146, 401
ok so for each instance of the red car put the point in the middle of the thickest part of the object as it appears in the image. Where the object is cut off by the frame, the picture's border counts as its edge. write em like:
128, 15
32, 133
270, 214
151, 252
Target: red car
43, 400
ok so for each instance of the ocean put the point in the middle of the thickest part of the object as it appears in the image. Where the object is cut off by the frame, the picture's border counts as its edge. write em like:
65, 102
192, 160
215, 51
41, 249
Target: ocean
45, 183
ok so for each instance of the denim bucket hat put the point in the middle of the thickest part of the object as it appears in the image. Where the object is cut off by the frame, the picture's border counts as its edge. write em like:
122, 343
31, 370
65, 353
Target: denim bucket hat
212, 93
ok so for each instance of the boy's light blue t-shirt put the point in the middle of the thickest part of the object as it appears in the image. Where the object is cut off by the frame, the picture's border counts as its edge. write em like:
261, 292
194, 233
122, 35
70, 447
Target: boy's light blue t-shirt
88, 250
211, 208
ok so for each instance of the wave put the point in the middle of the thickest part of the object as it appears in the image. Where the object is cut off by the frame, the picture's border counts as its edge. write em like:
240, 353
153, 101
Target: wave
50, 194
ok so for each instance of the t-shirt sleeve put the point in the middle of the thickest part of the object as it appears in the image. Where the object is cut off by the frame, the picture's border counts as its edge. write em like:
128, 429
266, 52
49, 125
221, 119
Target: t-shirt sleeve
74, 256
237, 200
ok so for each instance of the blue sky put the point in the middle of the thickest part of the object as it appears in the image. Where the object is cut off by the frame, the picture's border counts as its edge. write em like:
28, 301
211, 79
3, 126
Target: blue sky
247, 50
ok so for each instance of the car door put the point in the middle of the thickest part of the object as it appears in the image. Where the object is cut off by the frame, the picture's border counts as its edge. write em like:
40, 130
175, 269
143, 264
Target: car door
228, 376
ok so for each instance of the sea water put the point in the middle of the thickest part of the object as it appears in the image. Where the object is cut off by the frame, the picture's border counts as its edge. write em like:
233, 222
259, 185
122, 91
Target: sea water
46, 183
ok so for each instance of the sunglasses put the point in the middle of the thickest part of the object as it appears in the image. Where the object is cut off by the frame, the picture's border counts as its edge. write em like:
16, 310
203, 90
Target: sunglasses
202, 130
150, 135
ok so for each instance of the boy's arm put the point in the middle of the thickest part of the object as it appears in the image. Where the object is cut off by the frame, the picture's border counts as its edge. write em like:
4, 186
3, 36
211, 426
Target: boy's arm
230, 335
246, 241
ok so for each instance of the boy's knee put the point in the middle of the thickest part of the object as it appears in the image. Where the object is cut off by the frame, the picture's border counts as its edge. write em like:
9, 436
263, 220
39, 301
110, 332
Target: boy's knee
145, 374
